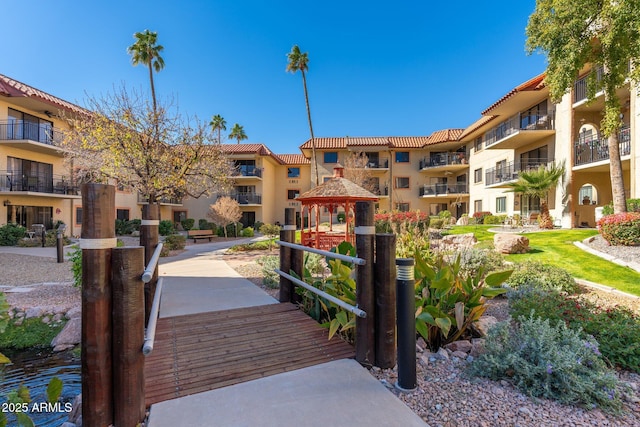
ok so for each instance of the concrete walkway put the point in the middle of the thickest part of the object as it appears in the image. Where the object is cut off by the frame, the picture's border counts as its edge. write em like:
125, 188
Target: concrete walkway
336, 393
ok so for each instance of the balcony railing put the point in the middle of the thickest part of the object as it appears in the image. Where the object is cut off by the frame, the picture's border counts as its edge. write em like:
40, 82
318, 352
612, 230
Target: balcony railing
24, 130
380, 191
38, 183
378, 164
247, 198
517, 123
162, 200
443, 189
511, 170
580, 89
443, 159
592, 149
247, 170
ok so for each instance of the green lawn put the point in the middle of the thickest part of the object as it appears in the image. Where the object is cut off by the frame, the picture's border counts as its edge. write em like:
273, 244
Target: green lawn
556, 247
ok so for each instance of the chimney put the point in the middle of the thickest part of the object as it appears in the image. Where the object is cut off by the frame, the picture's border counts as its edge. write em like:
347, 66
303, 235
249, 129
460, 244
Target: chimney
338, 171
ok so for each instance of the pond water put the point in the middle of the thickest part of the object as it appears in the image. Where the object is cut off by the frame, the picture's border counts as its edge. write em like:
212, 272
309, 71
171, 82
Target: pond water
35, 369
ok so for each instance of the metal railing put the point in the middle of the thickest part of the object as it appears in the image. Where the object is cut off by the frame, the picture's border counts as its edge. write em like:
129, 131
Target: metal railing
380, 191
39, 183
443, 189
377, 164
25, 130
511, 170
247, 170
150, 331
443, 159
354, 260
247, 198
592, 149
580, 87
517, 123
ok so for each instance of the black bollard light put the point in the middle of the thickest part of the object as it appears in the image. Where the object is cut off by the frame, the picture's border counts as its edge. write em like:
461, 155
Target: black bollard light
59, 243
406, 307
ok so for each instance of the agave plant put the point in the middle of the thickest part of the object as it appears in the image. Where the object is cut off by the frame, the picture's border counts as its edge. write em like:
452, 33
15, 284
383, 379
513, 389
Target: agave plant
448, 301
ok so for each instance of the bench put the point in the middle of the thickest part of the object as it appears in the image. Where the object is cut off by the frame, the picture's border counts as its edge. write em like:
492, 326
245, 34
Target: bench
200, 234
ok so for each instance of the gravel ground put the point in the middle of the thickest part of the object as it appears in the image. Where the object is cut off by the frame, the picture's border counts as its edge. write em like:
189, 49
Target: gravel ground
626, 253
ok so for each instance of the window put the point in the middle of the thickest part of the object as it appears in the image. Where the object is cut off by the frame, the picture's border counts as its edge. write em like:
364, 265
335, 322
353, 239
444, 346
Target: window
292, 194
501, 205
402, 157
122, 214
331, 157
477, 145
477, 175
402, 182
78, 216
477, 206
293, 172
402, 207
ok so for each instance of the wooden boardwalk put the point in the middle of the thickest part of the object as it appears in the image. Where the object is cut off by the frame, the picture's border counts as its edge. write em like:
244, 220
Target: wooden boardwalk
201, 352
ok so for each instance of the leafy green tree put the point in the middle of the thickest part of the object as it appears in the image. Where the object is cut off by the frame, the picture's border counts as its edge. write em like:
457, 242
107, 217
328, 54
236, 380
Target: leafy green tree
237, 132
537, 183
146, 51
299, 61
218, 124
601, 33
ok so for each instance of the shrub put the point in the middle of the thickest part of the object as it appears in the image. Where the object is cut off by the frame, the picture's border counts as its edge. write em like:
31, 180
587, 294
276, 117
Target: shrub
261, 245
474, 261
543, 276
384, 221
479, 216
257, 225
633, 205
232, 230
135, 224
175, 242
10, 234
617, 329
548, 361
165, 228
494, 219
271, 231
314, 263
187, 224
621, 229
341, 217
445, 214
247, 232
270, 279
436, 222
76, 266
122, 227
203, 224
51, 239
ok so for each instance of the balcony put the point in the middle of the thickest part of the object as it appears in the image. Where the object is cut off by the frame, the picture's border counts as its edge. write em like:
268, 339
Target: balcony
246, 171
444, 162
377, 164
11, 181
520, 130
163, 200
18, 132
439, 190
510, 171
382, 192
592, 149
247, 198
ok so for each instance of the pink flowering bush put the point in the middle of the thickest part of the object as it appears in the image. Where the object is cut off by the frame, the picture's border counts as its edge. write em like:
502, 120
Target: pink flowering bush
621, 229
384, 221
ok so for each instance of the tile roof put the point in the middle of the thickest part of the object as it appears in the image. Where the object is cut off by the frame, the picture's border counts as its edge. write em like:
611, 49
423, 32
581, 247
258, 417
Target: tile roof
444, 135
325, 143
294, 159
366, 141
14, 88
535, 83
408, 141
337, 188
260, 149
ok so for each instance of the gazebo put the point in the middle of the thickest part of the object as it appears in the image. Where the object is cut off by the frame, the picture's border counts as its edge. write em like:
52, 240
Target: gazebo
332, 194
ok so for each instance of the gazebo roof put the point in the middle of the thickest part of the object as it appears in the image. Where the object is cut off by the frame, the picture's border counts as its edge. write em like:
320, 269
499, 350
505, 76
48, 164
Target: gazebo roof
336, 189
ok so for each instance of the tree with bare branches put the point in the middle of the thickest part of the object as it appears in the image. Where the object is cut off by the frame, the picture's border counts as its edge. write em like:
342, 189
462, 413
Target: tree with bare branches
225, 211
355, 170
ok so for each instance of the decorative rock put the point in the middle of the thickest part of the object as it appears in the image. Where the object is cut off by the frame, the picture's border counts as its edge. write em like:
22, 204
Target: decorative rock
442, 354
459, 354
424, 359
463, 220
75, 312
507, 243
483, 324
477, 347
460, 345
33, 312
457, 241
421, 345
46, 320
76, 409
18, 321
58, 317
70, 335
525, 410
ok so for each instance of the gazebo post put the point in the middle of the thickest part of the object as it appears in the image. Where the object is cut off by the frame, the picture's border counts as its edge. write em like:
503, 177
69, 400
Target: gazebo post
346, 220
317, 225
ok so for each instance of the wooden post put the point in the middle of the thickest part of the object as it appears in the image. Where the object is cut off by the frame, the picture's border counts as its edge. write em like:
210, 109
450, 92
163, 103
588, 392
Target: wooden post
287, 234
127, 265
98, 237
297, 265
149, 228
365, 290
385, 289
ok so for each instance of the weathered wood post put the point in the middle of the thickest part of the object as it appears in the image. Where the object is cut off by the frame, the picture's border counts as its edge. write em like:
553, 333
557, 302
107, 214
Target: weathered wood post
287, 234
385, 286
365, 291
98, 237
297, 265
127, 266
149, 240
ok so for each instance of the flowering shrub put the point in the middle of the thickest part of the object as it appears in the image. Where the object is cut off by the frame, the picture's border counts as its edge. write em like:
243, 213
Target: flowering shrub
479, 216
384, 220
548, 361
621, 229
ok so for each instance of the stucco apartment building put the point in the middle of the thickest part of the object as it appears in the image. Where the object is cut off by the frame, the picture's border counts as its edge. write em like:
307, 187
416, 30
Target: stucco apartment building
460, 170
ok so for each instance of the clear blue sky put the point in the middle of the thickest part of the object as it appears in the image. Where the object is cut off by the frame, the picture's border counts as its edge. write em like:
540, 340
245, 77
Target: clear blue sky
376, 68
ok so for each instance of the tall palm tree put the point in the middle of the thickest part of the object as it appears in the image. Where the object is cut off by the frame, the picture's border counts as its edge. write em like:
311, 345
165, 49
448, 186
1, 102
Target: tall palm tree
299, 61
146, 51
237, 132
537, 183
218, 123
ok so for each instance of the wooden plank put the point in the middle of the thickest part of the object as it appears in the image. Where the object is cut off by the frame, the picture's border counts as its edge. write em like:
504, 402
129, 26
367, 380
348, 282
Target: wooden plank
196, 353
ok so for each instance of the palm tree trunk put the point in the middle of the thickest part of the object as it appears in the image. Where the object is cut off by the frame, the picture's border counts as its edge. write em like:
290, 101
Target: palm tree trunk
313, 140
615, 171
153, 89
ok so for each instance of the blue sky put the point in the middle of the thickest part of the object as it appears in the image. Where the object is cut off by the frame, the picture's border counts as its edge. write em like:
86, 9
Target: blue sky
376, 68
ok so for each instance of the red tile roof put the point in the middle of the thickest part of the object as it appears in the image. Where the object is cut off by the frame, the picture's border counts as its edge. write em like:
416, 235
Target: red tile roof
325, 143
535, 83
14, 88
366, 141
408, 141
260, 149
445, 135
294, 159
